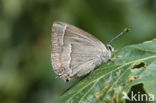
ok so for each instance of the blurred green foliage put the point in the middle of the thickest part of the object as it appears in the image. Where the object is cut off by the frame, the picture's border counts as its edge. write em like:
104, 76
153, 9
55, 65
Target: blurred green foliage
26, 74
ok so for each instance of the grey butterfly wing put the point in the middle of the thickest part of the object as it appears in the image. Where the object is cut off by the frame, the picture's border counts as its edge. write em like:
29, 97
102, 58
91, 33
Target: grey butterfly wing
75, 51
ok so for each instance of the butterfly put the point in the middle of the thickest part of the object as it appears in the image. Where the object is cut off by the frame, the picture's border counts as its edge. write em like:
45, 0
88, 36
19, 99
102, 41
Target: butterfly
75, 53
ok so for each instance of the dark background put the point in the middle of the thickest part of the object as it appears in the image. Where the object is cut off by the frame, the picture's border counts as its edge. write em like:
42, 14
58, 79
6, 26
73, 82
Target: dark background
26, 75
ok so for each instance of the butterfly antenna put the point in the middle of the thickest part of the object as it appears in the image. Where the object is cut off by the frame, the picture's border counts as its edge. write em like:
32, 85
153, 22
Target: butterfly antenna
122, 33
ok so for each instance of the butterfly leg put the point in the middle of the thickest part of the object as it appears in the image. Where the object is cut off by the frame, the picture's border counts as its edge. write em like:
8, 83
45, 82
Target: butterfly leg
114, 58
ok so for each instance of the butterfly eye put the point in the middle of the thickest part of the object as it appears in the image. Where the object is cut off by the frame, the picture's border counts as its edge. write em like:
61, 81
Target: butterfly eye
109, 47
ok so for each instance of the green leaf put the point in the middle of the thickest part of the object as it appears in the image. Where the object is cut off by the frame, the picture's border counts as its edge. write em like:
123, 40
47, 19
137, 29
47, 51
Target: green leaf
131, 65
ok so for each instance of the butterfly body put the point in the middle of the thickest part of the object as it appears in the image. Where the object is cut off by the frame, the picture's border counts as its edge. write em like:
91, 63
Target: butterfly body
75, 52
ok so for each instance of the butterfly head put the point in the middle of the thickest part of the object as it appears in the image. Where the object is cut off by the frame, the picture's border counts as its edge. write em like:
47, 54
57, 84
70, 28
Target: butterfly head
109, 47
